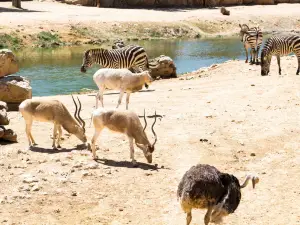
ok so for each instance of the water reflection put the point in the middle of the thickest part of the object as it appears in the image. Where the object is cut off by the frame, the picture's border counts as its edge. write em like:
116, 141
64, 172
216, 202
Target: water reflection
57, 71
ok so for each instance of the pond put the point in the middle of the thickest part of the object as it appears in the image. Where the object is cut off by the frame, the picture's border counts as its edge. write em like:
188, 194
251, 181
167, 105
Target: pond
57, 71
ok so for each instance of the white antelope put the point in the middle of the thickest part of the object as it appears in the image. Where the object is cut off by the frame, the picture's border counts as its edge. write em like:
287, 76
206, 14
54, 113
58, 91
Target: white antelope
55, 112
120, 79
126, 122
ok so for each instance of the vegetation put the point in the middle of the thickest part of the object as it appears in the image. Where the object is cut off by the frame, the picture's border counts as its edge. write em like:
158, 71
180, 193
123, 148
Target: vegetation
48, 40
10, 41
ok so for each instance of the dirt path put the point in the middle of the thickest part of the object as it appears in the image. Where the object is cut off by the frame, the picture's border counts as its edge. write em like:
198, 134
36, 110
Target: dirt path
252, 126
77, 24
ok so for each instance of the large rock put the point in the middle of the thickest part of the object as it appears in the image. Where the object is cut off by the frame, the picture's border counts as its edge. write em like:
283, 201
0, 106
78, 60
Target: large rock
7, 135
14, 89
8, 62
3, 114
162, 66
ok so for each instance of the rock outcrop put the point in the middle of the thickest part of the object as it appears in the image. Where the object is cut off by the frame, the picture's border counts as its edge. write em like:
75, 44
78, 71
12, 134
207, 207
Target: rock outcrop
163, 67
14, 89
5, 134
8, 63
3, 114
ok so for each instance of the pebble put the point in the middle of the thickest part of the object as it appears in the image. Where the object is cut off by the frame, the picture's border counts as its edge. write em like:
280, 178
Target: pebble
29, 180
77, 165
42, 161
252, 154
35, 188
92, 165
74, 193
85, 173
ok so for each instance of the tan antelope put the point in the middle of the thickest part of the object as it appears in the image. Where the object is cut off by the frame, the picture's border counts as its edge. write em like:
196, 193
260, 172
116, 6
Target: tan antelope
55, 112
126, 122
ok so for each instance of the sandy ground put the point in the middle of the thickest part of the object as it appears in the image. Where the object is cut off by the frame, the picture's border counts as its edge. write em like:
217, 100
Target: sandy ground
72, 22
252, 126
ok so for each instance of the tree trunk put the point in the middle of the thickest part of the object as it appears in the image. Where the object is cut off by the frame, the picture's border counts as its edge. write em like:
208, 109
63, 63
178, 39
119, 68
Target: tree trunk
16, 3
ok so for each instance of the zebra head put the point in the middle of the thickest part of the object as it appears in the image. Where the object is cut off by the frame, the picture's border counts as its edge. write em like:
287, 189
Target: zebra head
244, 29
87, 61
265, 63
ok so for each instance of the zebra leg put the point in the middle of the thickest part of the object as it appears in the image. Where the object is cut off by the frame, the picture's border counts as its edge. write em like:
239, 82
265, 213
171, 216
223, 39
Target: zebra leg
257, 51
278, 62
246, 50
298, 70
120, 98
252, 56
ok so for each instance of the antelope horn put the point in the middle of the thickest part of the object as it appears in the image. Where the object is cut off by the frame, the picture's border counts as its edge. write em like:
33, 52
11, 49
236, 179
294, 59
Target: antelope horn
75, 114
82, 121
145, 120
153, 130
255, 180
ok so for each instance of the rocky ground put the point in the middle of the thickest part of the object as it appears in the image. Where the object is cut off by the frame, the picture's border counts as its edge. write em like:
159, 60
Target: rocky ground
251, 124
48, 24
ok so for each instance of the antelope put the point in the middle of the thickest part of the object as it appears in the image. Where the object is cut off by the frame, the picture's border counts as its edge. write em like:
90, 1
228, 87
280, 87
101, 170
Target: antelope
55, 112
128, 123
120, 79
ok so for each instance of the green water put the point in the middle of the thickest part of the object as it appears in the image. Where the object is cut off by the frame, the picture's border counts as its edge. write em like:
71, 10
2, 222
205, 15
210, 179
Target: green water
57, 71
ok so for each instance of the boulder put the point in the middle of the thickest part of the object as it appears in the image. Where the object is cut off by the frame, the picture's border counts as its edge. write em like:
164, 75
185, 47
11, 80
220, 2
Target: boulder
3, 114
162, 66
7, 135
8, 62
14, 89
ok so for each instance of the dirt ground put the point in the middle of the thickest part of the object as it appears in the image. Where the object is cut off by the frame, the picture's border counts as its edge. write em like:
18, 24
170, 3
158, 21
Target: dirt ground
78, 24
251, 124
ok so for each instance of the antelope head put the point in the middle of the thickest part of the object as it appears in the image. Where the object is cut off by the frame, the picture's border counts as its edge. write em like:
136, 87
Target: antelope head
148, 149
79, 130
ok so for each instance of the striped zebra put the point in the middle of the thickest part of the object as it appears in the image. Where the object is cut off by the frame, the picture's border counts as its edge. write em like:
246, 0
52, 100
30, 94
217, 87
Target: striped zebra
131, 57
252, 38
279, 46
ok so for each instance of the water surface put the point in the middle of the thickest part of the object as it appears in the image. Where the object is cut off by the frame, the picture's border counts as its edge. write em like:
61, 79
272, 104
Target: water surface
57, 71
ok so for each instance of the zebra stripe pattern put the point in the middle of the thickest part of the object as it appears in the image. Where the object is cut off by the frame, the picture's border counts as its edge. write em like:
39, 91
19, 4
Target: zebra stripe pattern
127, 57
251, 38
279, 46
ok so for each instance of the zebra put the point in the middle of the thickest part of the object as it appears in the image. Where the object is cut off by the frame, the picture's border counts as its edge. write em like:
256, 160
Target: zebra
252, 38
130, 57
279, 46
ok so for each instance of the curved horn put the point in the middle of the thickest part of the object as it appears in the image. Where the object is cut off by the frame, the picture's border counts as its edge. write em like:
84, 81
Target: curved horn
153, 130
255, 180
75, 114
145, 120
82, 121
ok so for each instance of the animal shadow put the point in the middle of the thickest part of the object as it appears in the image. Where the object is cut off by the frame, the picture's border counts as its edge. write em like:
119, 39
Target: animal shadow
54, 151
144, 166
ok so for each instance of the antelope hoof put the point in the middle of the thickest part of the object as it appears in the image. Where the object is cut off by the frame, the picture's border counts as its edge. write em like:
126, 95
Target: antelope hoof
34, 144
134, 163
246, 61
58, 146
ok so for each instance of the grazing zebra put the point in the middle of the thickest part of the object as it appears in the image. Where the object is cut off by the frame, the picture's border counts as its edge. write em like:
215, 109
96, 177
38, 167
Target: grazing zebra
252, 38
130, 57
279, 46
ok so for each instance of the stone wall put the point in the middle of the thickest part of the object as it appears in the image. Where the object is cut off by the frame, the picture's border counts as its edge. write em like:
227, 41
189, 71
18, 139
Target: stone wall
174, 3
